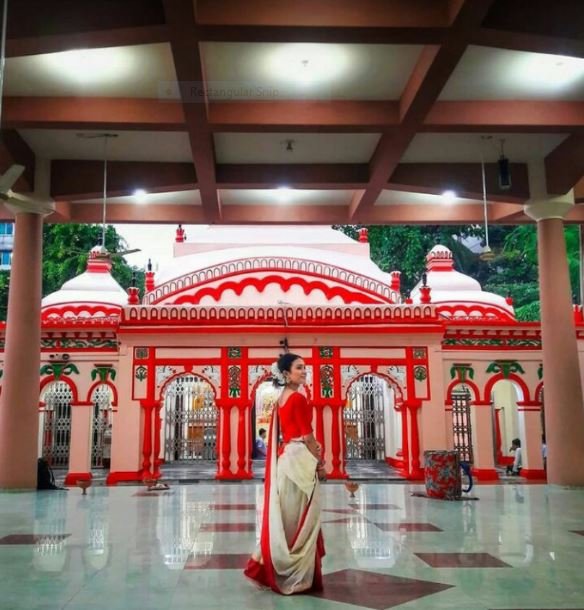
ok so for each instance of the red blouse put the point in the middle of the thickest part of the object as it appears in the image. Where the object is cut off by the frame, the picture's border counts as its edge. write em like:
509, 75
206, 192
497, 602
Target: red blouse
295, 417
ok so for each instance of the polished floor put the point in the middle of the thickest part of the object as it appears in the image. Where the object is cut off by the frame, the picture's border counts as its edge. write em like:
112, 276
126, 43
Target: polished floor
517, 547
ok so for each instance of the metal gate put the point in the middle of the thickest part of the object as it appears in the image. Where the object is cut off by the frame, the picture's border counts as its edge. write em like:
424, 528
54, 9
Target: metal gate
101, 430
364, 419
190, 420
461, 425
56, 424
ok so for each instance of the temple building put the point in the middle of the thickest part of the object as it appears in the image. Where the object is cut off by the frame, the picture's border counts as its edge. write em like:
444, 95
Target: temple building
183, 377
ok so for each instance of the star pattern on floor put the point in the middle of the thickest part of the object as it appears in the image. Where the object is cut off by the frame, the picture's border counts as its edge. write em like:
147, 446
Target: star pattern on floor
461, 560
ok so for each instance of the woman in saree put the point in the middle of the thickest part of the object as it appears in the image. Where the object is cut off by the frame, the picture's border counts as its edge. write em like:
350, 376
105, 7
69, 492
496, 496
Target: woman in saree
288, 559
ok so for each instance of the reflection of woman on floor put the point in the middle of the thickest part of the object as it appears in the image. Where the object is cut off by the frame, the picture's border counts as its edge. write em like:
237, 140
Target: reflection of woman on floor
291, 545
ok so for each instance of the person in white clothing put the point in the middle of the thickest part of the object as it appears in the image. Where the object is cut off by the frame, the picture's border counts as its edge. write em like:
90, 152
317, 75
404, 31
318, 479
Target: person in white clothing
515, 468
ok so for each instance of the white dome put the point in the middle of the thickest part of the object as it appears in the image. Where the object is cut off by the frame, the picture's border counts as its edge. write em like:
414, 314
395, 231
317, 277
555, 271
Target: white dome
88, 288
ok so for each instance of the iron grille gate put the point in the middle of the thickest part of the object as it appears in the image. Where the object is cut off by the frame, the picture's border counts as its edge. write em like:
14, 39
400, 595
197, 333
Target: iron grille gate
57, 424
364, 419
190, 420
461, 425
101, 432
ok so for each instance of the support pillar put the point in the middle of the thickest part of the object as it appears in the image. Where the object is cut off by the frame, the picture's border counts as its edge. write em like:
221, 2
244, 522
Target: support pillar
530, 433
80, 449
482, 441
564, 407
19, 418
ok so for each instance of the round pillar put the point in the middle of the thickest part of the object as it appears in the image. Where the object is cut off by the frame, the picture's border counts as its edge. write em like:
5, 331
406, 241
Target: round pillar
564, 407
19, 418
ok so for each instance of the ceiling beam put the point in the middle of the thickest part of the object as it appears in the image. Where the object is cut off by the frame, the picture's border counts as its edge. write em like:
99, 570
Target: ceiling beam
14, 150
395, 214
300, 116
564, 166
75, 179
335, 13
180, 17
117, 113
429, 76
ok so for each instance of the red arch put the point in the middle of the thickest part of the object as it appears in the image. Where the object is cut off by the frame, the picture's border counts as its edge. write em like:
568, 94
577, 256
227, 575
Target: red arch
471, 385
512, 377
47, 380
260, 284
110, 385
185, 374
390, 380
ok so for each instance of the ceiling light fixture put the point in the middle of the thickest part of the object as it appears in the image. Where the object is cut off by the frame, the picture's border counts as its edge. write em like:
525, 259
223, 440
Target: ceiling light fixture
89, 65
140, 195
503, 169
449, 197
283, 194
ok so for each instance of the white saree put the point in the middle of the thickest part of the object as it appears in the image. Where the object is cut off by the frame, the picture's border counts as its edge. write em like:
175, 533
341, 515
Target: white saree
291, 546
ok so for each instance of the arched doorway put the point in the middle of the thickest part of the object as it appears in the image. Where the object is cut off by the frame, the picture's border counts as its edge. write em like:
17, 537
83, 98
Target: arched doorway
505, 417
189, 418
368, 399
101, 426
265, 399
55, 423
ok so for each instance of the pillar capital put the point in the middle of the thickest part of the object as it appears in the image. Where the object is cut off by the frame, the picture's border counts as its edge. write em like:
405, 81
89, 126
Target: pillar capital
551, 207
30, 206
541, 205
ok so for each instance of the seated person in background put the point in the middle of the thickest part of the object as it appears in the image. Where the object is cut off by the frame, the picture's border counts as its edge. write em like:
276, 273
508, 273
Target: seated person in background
515, 468
260, 445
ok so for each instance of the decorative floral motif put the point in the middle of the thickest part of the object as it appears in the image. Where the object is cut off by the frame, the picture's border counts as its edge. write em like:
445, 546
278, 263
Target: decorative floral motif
141, 373
398, 373
492, 342
163, 373
141, 353
234, 352
255, 372
326, 381
419, 353
57, 369
348, 373
540, 371
461, 371
103, 371
67, 342
234, 376
420, 373
212, 373
506, 367
326, 352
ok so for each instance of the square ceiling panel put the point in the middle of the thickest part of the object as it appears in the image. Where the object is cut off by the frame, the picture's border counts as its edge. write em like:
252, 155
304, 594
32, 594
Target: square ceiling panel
168, 146
284, 196
467, 147
140, 71
295, 148
292, 71
497, 74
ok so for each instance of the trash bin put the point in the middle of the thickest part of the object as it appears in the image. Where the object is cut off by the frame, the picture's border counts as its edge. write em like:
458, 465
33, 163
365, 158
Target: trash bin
442, 475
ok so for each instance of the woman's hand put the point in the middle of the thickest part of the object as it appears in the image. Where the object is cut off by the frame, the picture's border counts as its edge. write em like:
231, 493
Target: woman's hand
321, 472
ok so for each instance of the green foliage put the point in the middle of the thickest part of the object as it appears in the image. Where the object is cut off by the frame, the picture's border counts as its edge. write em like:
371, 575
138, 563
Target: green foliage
513, 270
65, 252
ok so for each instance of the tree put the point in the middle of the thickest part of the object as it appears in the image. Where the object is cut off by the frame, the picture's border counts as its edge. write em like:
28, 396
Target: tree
65, 252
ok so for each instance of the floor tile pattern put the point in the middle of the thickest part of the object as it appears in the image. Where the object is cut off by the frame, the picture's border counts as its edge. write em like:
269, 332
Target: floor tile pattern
462, 560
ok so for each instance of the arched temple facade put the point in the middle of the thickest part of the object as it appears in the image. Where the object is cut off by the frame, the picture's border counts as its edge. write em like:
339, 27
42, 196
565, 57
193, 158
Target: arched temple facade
182, 376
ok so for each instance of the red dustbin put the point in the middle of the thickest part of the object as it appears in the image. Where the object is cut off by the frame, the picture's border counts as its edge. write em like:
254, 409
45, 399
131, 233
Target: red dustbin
442, 474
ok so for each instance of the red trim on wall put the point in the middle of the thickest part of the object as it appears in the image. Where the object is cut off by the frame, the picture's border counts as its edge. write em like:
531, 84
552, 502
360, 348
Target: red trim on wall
512, 377
63, 310
534, 474
485, 474
113, 478
72, 478
51, 378
107, 383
